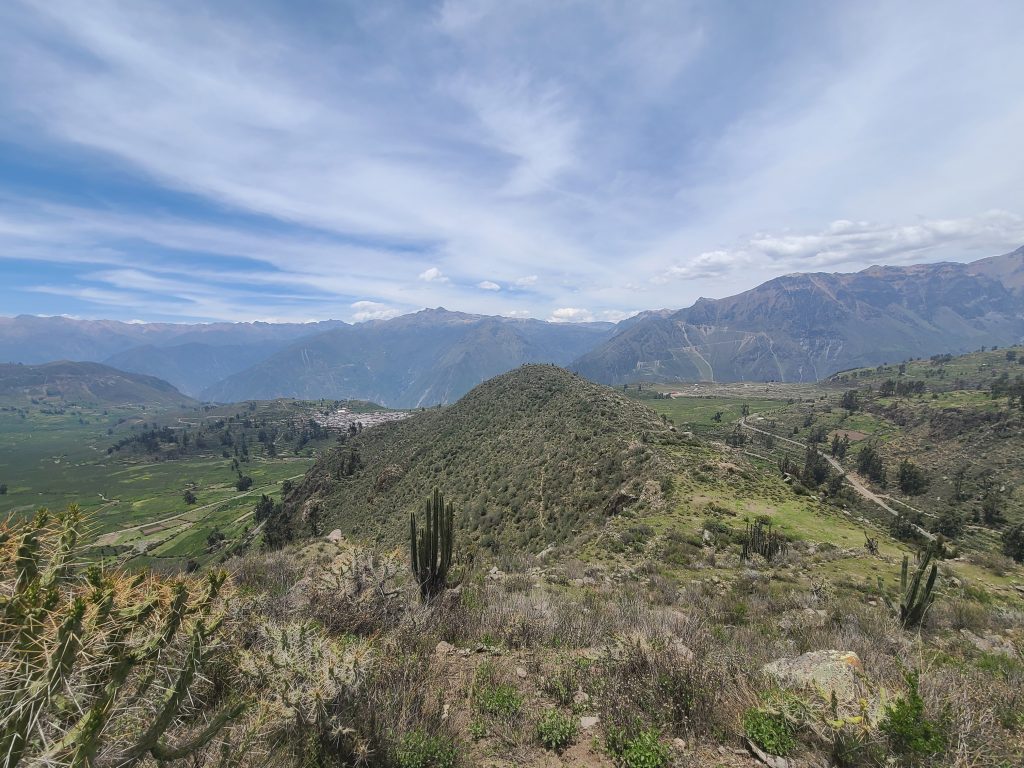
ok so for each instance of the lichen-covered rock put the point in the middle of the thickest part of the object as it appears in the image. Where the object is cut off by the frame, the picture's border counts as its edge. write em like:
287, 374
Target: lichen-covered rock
821, 671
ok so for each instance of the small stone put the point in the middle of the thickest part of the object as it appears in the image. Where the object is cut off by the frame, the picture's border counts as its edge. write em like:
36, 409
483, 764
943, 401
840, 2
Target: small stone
586, 723
679, 744
444, 648
335, 536
520, 672
581, 697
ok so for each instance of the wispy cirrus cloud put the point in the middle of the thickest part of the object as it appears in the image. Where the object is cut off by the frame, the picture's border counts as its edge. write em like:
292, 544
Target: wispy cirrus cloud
258, 162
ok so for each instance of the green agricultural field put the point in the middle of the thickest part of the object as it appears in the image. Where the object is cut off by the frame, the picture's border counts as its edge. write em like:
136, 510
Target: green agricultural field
697, 414
52, 455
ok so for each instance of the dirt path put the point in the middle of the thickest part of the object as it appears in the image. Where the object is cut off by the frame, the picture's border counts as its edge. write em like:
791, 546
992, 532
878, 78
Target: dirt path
855, 482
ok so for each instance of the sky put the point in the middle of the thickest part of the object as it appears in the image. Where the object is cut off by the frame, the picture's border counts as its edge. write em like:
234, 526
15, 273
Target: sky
558, 159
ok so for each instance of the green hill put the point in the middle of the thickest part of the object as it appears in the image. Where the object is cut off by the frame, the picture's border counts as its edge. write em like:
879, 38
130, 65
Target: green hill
530, 458
68, 383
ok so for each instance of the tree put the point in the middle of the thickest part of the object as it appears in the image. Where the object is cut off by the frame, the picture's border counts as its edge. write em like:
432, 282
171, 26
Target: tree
950, 524
850, 400
870, 464
959, 479
991, 508
244, 482
264, 508
815, 468
1013, 542
913, 480
189, 496
3, 489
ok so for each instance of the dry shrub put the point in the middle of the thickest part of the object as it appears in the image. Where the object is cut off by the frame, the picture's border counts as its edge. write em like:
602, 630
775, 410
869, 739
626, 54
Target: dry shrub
361, 598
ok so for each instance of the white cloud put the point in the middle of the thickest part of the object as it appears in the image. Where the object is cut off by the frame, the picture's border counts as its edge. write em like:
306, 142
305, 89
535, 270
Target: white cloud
487, 285
571, 315
525, 282
372, 310
617, 315
848, 244
433, 275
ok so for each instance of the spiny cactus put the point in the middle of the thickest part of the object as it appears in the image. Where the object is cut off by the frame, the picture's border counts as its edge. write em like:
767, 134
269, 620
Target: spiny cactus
762, 540
310, 688
914, 598
85, 652
430, 549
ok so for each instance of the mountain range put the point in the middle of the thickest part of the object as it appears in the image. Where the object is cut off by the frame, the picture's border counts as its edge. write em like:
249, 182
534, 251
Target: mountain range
797, 327
805, 326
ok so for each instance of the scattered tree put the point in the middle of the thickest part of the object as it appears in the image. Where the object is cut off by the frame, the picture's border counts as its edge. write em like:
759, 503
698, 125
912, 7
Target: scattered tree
913, 480
1013, 542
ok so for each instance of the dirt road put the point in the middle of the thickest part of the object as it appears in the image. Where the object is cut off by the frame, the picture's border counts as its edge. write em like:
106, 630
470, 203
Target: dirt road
855, 482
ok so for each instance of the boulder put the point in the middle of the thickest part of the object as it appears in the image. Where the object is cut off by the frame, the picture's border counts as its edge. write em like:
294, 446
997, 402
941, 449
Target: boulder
990, 643
335, 536
821, 671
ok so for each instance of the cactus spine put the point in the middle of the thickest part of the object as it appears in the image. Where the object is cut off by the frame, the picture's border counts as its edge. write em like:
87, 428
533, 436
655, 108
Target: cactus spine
914, 599
84, 648
430, 549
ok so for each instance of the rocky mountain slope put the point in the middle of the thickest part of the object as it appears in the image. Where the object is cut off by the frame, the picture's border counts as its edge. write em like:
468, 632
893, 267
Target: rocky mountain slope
803, 327
430, 357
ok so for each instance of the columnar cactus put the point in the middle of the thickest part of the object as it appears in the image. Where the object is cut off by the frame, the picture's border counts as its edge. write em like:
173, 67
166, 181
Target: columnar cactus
430, 550
86, 650
914, 599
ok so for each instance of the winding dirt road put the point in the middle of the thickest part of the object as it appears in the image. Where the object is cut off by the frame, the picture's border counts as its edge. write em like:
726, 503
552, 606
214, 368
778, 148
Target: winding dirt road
855, 482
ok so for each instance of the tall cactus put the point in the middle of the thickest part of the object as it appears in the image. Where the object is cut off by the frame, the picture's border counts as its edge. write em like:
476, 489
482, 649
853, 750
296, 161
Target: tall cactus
914, 598
85, 649
430, 549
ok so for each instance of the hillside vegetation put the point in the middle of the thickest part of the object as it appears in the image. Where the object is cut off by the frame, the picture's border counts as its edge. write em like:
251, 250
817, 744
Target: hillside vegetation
533, 457
704, 606
65, 383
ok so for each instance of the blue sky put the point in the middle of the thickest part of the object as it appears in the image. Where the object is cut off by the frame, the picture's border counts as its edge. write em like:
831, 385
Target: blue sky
562, 160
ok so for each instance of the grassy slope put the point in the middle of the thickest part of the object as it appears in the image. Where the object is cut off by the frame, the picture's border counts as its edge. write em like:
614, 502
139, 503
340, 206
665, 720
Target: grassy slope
533, 457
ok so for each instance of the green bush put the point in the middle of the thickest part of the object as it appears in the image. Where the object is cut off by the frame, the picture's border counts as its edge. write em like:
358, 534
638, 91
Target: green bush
771, 731
422, 750
644, 750
911, 735
556, 731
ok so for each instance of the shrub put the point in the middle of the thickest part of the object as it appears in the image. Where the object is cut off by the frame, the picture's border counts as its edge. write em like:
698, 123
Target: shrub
770, 731
556, 731
1013, 542
499, 700
422, 750
644, 750
911, 735
492, 698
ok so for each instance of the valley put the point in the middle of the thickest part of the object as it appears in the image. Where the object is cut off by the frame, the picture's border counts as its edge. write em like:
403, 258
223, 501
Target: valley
631, 561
